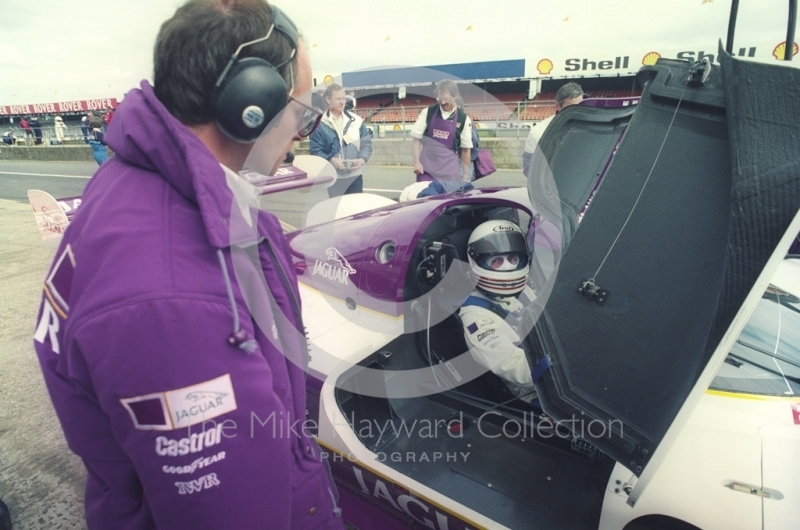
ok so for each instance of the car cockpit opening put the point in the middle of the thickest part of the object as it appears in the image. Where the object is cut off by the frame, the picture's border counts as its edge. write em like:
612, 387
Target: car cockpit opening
461, 407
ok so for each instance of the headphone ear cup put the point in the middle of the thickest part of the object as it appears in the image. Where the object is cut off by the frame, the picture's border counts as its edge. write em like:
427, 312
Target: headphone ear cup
252, 94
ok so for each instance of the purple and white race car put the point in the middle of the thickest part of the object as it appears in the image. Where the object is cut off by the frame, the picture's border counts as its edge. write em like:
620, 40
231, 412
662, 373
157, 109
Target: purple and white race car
656, 231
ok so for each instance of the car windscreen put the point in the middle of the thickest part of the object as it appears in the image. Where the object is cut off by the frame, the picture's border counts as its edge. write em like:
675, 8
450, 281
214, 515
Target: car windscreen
766, 356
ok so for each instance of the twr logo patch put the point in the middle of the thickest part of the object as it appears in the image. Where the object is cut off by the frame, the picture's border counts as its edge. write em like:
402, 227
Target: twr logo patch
202, 483
184, 407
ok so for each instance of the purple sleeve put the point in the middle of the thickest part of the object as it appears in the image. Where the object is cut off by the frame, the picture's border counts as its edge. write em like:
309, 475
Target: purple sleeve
196, 418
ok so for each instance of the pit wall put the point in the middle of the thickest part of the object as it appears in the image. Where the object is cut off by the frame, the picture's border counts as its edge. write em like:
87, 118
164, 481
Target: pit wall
506, 152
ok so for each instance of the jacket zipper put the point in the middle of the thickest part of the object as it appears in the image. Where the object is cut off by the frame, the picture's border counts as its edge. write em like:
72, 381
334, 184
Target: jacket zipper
287, 287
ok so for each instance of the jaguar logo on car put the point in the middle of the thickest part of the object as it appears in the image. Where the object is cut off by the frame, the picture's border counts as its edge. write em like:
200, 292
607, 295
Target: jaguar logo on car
339, 270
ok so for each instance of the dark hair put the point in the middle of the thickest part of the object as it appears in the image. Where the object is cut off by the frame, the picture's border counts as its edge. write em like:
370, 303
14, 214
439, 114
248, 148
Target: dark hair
193, 47
568, 91
331, 89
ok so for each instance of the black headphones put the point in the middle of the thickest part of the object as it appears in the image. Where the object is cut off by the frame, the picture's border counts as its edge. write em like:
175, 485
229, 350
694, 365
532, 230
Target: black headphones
251, 92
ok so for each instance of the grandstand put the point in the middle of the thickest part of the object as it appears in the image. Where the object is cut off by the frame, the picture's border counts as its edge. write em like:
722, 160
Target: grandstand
494, 93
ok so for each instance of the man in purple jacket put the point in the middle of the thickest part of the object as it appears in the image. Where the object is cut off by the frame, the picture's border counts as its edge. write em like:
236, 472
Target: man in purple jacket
186, 413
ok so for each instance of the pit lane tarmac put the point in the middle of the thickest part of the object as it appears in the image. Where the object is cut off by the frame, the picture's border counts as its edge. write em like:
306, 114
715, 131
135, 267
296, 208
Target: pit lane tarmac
40, 479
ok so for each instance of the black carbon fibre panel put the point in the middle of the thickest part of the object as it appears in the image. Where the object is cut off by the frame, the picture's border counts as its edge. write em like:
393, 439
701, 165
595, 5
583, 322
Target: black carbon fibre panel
677, 236
520, 470
572, 499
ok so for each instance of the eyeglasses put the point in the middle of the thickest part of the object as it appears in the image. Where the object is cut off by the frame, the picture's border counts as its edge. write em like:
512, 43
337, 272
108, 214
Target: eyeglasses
309, 117
505, 262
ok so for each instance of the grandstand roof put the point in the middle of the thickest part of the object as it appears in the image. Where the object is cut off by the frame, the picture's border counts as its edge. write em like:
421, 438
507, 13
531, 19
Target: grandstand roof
425, 75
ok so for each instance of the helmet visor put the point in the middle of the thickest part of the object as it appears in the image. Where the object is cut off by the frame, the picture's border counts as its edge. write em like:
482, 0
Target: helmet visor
498, 243
505, 262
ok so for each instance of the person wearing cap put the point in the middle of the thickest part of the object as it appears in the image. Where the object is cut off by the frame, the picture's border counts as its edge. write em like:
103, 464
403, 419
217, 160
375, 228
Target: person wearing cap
188, 410
498, 259
567, 95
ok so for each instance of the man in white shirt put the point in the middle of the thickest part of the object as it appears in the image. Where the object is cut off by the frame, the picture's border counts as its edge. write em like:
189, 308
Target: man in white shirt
442, 139
569, 94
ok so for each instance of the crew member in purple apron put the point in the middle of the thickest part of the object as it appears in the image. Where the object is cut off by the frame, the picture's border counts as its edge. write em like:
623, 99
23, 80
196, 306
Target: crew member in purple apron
442, 139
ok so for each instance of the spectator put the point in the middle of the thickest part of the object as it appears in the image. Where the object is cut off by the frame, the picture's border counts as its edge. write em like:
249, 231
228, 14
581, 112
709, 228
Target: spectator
569, 94
96, 141
153, 361
37, 129
60, 129
85, 126
343, 140
498, 257
26, 127
442, 137
109, 113
9, 138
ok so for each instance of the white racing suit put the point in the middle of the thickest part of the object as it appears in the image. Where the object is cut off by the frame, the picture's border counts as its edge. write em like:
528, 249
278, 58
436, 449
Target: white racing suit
495, 343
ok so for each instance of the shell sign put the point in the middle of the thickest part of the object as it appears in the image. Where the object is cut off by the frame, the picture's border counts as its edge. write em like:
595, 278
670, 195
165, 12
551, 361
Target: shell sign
780, 51
651, 58
545, 66
328, 80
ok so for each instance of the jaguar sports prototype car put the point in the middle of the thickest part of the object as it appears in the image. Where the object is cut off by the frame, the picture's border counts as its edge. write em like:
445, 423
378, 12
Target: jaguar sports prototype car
660, 324
656, 231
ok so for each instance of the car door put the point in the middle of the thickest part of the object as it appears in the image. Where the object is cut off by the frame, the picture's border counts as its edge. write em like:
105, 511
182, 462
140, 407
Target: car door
662, 267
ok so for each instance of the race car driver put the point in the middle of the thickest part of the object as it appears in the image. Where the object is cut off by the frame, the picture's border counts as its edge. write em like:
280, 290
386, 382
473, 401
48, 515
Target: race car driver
498, 258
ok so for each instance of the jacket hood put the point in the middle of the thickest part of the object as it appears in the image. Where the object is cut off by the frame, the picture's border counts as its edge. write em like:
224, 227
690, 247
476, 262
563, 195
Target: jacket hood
145, 134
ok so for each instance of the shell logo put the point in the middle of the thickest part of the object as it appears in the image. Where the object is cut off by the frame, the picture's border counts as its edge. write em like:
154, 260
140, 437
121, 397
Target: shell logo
396, 127
328, 80
545, 66
476, 124
651, 58
780, 51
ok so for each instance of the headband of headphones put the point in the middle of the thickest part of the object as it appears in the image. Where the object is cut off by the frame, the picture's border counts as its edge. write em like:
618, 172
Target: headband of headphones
250, 92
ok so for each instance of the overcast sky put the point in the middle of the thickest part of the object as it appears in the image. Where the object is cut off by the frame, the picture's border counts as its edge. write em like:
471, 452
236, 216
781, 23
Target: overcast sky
54, 51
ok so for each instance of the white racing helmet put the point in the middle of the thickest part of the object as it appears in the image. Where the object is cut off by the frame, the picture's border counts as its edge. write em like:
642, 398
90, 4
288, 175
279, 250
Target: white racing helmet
498, 257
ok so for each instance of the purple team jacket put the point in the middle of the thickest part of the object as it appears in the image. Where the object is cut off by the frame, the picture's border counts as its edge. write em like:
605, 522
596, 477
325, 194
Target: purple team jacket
178, 427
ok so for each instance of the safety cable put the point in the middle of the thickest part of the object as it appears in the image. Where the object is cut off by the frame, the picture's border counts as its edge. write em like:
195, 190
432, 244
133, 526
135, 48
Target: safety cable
641, 192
